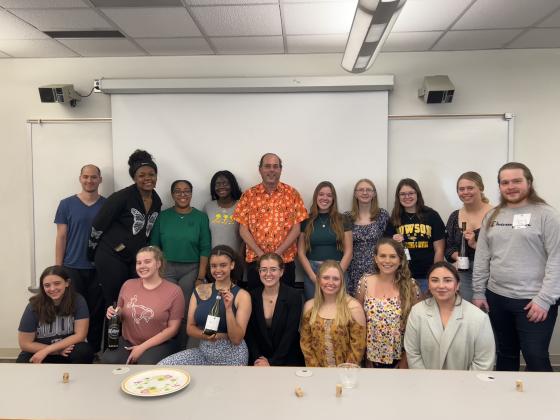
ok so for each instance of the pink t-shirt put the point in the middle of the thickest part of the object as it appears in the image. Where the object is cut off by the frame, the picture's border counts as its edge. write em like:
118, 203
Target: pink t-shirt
145, 313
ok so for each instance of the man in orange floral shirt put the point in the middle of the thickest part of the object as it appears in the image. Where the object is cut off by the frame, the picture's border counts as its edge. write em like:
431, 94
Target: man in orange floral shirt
269, 215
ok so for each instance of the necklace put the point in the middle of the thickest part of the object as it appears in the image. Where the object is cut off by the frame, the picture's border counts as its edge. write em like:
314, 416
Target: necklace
323, 220
410, 216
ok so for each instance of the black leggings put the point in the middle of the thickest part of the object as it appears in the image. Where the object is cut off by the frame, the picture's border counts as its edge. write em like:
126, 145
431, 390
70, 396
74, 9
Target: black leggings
112, 272
87, 284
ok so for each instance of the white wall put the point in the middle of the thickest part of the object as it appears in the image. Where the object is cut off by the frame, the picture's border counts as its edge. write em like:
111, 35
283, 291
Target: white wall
525, 82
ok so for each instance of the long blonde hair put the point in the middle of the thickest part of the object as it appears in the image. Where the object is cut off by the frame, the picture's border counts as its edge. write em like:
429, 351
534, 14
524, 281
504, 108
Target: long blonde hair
335, 218
343, 315
403, 278
374, 205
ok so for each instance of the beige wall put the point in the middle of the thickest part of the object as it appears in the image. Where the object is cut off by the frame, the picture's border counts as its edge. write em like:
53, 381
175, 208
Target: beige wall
524, 82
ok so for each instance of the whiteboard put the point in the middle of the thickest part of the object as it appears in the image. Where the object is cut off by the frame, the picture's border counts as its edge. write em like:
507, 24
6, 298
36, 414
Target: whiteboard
335, 136
435, 150
59, 150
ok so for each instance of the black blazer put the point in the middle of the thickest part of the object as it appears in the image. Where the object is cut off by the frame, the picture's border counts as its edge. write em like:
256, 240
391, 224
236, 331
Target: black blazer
281, 345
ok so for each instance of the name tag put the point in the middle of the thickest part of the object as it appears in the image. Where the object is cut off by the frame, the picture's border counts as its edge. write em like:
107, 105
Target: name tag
521, 221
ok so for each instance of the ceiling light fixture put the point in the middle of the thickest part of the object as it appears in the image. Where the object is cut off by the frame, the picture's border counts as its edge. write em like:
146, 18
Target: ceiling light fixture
372, 24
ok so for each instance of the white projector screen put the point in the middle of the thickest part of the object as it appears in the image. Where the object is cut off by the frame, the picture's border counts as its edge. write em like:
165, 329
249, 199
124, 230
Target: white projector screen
335, 136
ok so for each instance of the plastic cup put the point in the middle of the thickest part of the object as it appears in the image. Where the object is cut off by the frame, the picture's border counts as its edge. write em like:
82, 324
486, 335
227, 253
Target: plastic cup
348, 373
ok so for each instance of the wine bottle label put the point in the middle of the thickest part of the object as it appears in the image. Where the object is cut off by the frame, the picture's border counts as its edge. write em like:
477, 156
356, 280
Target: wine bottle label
407, 253
212, 323
113, 331
463, 263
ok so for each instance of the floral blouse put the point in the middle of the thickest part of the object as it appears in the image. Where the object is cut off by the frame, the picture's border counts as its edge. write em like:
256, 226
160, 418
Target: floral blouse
384, 340
325, 345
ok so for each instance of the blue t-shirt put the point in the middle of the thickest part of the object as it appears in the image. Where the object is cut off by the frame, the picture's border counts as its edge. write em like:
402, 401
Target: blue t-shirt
78, 218
59, 329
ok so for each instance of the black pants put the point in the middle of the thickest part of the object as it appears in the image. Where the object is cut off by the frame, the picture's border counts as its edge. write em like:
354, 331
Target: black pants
81, 354
87, 284
514, 332
112, 272
254, 280
150, 357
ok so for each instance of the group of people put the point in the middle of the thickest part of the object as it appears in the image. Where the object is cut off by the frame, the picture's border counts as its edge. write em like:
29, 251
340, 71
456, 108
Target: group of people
380, 288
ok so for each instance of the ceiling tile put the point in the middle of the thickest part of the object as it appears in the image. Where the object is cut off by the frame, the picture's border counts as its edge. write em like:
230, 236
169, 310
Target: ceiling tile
13, 28
318, 18
476, 40
226, 2
249, 45
537, 38
552, 20
488, 14
153, 22
35, 48
136, 3
410, 41
109, 47
62, 19
44, 4
175, 46
429, 15
318, 44
239, 20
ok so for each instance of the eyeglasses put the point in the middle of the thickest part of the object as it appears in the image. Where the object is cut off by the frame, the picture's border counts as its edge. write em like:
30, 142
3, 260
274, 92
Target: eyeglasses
271, 270
182, 192
407, 194
365, 190
222, 184
269, 166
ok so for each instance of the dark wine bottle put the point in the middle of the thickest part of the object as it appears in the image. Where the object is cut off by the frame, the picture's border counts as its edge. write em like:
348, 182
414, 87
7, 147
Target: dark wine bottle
114, 330
213, 318
463, 259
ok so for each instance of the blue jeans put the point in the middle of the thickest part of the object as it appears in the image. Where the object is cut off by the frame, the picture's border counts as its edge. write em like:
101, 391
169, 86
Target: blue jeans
308, 285
422, 283
514, 332
465, 287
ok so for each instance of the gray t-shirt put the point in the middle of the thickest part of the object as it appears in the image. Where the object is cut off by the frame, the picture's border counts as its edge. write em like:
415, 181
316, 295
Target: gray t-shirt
224, 230
519, 255
59, 329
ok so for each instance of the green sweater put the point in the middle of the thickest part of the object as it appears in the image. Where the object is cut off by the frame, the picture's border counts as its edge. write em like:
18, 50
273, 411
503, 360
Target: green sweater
182, 237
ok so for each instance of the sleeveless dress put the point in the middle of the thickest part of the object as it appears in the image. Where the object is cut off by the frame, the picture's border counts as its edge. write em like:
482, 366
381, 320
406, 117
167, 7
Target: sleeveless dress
219, 352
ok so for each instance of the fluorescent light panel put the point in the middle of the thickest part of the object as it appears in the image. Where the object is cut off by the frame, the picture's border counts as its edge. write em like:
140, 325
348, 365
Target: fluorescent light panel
371, 27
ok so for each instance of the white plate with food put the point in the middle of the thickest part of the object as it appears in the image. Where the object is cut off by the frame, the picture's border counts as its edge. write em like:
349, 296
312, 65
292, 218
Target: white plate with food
155, 382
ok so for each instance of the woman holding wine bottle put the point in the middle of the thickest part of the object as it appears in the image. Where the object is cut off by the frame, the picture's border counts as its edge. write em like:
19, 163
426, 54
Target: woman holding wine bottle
463, 227
218, 316
150, 309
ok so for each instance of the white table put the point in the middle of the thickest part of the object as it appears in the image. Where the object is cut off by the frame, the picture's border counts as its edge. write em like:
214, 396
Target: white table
228, 393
